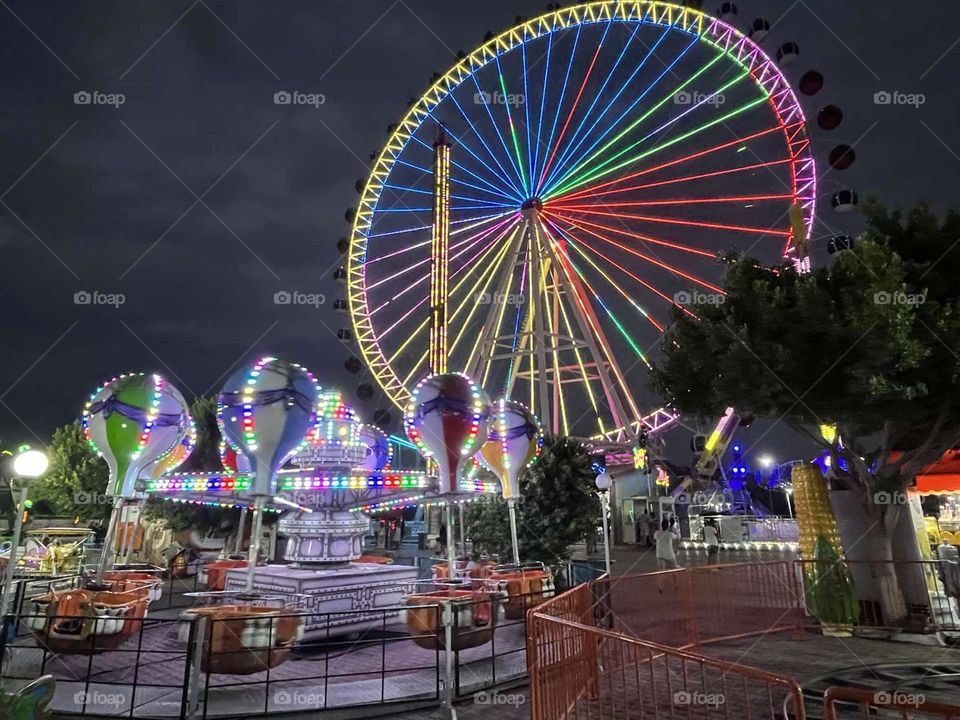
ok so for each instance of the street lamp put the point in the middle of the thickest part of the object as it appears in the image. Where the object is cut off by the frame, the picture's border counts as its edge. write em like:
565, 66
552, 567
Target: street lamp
27, 465
604, 482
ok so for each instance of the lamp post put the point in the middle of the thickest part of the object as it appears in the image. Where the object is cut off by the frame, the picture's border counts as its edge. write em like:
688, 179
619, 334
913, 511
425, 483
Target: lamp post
604, 482
27, 465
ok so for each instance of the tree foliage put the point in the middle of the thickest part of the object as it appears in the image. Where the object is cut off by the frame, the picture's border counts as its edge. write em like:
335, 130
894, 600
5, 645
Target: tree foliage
558, 507
202, 519
868, 344
77, 478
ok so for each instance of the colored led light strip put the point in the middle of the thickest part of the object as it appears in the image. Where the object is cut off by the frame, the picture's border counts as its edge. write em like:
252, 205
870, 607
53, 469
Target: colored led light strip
439, 256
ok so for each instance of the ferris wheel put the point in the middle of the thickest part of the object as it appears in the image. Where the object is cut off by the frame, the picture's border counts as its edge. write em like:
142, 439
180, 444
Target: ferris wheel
602, 158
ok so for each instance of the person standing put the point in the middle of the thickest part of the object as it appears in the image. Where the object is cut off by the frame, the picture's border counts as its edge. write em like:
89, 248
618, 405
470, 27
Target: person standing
712, 539
665, 539
442, 540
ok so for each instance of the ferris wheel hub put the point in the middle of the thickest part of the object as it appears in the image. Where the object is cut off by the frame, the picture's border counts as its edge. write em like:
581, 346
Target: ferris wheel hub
533, 203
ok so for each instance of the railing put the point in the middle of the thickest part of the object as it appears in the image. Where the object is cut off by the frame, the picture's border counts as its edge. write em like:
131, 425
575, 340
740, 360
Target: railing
843, 703
625, 647
630, 646
382, 665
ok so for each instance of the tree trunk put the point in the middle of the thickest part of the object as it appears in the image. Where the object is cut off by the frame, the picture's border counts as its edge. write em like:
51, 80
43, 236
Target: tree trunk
892, 604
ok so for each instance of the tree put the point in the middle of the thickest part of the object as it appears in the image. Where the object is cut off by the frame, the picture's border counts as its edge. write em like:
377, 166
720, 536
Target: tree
558, 507
867, 345
206, 454
77, 478
202, 519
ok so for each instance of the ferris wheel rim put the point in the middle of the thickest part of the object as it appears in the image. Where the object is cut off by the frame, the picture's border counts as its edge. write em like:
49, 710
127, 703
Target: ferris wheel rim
735, 45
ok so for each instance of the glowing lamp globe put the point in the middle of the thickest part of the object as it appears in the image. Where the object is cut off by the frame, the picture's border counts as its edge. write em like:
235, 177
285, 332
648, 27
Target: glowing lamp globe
265, 411
513, 444
446, 418
30, 464
604, 482
132, 421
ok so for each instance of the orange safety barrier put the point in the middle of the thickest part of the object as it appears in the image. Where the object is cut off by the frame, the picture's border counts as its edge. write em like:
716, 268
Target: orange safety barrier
625, 647
842, 702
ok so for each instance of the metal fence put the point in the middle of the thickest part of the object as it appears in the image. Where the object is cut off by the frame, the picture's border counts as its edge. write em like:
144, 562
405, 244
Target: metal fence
626, 647
630, 646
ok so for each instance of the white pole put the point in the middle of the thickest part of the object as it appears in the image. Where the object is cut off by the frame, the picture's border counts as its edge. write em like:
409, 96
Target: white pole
514, 540
238, 549
463, 528
12, 558
254, 551
604, 505
451, 544
105, 556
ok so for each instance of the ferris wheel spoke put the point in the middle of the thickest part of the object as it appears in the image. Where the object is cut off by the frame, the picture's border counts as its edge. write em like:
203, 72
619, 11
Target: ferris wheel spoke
463, 168
572, 242
563, 91
690, 223
587, 314
513, 130
573, 108
598, 171
627, 233
589, 154
469, 242
526, 112
586, 246
610, 314
466, 198
519, 189
677, 201
424, 324
427, 172
562, 165
636, 253
489, 269
543, 102
594, 194
573, 146
479, 221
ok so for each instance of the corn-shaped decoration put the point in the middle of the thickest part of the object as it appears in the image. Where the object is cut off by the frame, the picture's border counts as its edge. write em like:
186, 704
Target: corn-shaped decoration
830, 594
815, 518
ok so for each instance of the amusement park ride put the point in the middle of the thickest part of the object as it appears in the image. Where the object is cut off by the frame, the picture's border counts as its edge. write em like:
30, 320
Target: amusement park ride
528, 230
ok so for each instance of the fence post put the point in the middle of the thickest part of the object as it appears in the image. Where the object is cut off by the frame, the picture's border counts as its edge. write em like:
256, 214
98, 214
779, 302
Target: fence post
199, 630
693, 626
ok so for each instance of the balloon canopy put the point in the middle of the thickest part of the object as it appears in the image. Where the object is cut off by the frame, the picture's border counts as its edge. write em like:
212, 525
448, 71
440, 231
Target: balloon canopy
379, 452
446, 414
265, 411
132, 421
176, 457
232, 461
513, 444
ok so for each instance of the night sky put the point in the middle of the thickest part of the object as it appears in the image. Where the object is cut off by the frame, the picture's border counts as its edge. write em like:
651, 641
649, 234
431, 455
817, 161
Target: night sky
198, 198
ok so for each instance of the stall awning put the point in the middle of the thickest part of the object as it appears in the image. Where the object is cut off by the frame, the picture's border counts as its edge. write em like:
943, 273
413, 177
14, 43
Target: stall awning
942, 477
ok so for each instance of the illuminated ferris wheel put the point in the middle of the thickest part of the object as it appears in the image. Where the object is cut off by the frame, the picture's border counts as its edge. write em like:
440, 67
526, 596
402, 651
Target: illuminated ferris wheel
599, 159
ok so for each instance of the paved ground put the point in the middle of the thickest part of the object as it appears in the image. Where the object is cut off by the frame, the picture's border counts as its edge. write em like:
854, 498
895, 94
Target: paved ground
337, 676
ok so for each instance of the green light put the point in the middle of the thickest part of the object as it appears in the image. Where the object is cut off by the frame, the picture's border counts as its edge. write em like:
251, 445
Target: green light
613, 141
513, 131
680, 138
